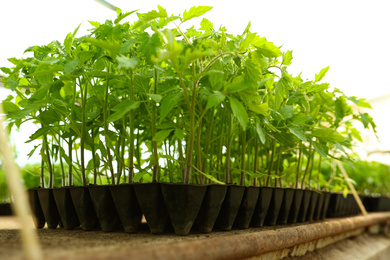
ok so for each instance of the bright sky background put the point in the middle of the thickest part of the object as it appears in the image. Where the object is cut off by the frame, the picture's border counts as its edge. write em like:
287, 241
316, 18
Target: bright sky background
352, 37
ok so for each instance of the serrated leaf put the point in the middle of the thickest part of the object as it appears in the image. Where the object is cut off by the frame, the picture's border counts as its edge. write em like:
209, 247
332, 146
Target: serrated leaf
356, 134
179, 133
252, 72
125, 47
40, 93
122, 109
168, 103
287, 57
155, 97
298, 133
125, 62
195, 11
217, 76
321, 75
70, 66
320, 149
215, 99
238, 86
287, 111
268, 49
246, 42
49, 117
205, 25
282, 89
261, 132
94, 24
262, 108
10, 107
69, 41
239, 112
111, 48
41, 131
328, 135
149, 16
161, 135
123, 16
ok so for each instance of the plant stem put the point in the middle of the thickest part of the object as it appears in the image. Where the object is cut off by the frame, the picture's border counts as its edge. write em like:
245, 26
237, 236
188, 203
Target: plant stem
191, 136
311, 168
228, 150
243, 147
82, 137
42, 170
255, 162
154, 143
62, 169
298, 166
271, 164
131, 141
307, 167
70, 172
94, 157
319, 172
277, 167
49, 165
208, 138
199, 156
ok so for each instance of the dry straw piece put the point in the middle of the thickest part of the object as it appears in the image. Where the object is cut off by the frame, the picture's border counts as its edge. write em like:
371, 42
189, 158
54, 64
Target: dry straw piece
21, 207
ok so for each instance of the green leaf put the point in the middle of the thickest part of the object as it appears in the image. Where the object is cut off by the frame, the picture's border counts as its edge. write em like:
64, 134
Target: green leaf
217, 76
287, 57
195, 12
149, 45
282, 89
321, 75
21, 114
360, 102
246, 42
168, 103
328, 135
356, 134
155, 97
12, 84
111, 48
123, 16
179, 133
69, 41
70, 66
287, 111
94, 24
10, 107
238, 86
298, 133
49, 117
41, 131
261, 132
40, 93
122, 109
149, 16
320, 149
125, 47
212, 178
268, 49
205, 25
239, 112
252, 72
161, 135
124, 62
215, 99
